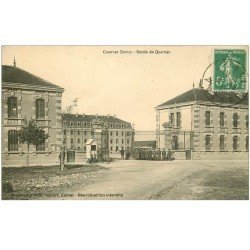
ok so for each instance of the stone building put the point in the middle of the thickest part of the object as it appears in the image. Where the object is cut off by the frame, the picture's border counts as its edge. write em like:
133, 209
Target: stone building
110, 133
26, 96
197, 124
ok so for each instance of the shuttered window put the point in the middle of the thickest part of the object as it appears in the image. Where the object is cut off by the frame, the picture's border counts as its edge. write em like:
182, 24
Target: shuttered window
40, 108
12, 106
12, 140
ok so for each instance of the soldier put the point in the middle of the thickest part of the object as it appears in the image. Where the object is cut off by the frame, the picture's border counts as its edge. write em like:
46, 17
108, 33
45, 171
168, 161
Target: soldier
164, 153
122, 153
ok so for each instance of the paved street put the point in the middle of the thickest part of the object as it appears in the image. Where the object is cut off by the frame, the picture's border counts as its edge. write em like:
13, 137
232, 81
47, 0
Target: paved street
225, 179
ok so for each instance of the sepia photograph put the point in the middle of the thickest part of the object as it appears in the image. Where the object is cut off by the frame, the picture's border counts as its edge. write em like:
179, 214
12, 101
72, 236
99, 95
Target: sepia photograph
125, 123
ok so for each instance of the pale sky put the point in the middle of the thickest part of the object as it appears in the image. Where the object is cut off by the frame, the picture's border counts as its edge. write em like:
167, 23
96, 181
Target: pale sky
129, 86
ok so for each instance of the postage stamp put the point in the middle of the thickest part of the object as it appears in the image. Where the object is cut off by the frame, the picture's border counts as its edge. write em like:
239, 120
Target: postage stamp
229, 70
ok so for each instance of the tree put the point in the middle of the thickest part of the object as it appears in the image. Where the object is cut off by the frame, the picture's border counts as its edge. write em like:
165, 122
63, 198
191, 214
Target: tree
31, 134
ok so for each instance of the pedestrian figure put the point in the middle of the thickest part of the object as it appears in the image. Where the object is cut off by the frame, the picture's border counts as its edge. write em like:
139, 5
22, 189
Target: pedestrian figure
122, 153
62, 158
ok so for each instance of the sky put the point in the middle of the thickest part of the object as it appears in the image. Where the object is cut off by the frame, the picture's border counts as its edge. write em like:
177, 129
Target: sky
122, 84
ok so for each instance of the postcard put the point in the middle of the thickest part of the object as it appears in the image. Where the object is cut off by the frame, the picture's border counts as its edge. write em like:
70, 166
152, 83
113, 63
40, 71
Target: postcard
125, 122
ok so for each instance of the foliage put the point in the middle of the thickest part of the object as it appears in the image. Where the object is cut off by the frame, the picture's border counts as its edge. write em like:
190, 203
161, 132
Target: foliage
30, 133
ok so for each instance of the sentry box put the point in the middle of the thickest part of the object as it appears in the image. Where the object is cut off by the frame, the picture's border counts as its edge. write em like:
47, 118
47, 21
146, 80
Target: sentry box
91, 148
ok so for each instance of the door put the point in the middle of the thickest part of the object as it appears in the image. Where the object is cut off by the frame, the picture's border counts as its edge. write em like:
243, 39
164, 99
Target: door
188, 154
71, 156
175, 142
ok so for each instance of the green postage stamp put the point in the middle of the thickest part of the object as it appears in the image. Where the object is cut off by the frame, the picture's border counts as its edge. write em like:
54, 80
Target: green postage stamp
230, 70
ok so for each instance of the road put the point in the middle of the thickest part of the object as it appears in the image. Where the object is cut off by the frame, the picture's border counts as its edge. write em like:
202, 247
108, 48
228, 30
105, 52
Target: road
177, 180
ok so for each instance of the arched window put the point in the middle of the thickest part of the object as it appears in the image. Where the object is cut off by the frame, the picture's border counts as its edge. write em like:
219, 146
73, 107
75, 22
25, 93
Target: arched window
40, 108
12, 106
12, 140
222, 142
235, 120
235, 143
222, 119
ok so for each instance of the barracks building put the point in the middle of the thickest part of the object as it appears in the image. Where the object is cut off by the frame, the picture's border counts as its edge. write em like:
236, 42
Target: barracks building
26, 96
195, 127
111, 134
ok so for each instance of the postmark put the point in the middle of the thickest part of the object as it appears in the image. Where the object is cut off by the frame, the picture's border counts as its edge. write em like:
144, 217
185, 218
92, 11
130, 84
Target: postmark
225, 81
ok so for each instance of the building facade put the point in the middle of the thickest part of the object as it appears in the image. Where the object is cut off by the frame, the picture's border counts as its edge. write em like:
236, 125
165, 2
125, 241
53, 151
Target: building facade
111, 134
193, 126
24, 97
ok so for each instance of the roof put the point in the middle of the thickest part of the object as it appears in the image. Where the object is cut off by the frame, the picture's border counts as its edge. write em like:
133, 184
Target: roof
90, 141
91, 118
24, 79
198, 94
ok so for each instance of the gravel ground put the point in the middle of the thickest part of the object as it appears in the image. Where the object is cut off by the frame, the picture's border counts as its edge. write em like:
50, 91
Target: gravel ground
48, 182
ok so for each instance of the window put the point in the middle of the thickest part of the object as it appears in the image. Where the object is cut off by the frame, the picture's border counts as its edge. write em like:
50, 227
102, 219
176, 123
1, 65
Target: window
84, 148
111, 148
116, 140
40, 147
116, 148
128, 141
247, 143
40, 108
172, 118
222, 119
92, 133
85, 124
111, 133
207, 118
116, 133
127, 133
78, 132
12, 140
64, 131
246, 121
111, 141
235, 120
71, 140
71, 124
117, 125
12, 106
122, 141
235, 142
178, 119
85, 140
122, 126
85, 132
111, 125
208, 142
222, 142
78, 141
78, 124
71, 132
122, 133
